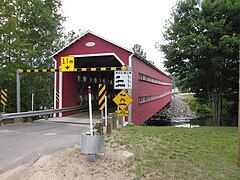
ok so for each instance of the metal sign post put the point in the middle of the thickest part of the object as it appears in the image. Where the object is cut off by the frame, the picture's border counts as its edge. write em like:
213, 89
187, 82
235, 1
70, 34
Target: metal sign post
105, 110
90, 109
18, 93
32, 100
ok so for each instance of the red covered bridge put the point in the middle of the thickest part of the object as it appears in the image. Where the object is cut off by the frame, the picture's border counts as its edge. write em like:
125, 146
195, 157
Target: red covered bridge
151, 88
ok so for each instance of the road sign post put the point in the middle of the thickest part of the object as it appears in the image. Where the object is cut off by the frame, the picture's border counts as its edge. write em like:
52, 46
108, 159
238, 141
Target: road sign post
90, 109
106, 110
18, 93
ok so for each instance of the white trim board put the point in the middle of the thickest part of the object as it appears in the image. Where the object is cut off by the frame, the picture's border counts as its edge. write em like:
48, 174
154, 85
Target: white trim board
101, 54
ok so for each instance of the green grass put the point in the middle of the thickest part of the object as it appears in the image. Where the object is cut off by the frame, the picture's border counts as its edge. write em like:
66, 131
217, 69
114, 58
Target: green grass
179, 153
186, 96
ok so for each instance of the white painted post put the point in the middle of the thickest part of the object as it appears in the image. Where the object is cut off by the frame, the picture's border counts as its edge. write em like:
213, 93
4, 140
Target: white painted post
60, 92
32, 100
105, 109
90, 109
18, 93
102, 115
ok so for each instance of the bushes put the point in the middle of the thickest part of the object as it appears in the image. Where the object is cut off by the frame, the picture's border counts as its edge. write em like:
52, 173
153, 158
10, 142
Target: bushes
202, 109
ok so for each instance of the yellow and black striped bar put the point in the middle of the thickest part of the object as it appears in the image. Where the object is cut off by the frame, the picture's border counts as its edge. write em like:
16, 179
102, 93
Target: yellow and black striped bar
3, 97
38, 70
57, 95
103, 69
76, 70
101, 96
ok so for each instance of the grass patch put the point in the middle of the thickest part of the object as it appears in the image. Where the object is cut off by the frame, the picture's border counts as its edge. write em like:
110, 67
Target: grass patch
180, 153
186, 96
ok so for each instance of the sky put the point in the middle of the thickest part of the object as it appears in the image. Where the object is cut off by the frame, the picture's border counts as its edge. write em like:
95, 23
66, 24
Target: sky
125, 22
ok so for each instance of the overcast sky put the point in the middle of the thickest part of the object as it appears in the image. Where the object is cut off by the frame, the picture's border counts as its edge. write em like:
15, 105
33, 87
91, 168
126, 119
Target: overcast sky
125, 22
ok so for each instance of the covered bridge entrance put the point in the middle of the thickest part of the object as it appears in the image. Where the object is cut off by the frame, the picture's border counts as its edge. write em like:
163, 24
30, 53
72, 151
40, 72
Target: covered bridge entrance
98, 58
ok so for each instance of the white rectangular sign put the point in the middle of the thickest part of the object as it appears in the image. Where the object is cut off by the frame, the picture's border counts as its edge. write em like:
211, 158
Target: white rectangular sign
123, 80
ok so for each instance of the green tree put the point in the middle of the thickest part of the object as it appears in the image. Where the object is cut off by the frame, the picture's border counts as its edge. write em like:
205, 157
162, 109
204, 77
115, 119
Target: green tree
28, 33
138, 50
202, 49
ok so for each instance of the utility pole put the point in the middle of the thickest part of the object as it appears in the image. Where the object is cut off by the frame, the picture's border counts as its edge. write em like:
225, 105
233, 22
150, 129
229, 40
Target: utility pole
239, 106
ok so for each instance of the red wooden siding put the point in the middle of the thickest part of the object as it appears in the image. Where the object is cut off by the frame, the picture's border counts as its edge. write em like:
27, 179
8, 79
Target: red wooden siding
143, 111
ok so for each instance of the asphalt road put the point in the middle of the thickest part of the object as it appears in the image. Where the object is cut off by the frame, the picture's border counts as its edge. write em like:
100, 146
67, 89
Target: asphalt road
25, 143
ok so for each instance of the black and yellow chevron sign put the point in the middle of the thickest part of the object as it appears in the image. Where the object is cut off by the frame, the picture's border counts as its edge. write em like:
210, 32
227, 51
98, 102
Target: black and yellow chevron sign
101, 96
57, 95
3, 96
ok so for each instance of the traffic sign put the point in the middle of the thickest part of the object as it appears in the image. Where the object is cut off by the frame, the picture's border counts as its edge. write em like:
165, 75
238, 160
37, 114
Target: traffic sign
122, 112
122, 100
67, 64
57, 95
3, 96
101, 96
123, 80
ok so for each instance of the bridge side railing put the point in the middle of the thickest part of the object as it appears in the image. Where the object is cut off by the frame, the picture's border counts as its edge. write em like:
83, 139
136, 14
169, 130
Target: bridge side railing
39, 113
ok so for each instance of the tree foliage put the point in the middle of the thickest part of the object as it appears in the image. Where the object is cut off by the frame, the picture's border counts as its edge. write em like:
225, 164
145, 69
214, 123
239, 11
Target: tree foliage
28, 33
138, 50
202, 49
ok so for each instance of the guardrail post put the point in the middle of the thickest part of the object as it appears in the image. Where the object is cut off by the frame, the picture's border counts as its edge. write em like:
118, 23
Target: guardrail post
109, 125
29, 119
1, 118
45, 115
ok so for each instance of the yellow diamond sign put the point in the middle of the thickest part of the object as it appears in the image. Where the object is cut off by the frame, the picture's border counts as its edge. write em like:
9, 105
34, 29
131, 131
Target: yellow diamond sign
67, 64
122, 100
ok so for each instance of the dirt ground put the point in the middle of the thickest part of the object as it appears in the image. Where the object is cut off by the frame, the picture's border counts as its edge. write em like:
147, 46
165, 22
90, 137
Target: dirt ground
71, 164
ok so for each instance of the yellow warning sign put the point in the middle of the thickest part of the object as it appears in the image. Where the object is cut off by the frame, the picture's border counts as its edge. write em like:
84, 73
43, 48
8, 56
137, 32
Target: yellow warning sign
122, 100
122, 112
67, 64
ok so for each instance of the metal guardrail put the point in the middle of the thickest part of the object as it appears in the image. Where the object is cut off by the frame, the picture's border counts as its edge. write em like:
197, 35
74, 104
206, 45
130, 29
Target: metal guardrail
39, 113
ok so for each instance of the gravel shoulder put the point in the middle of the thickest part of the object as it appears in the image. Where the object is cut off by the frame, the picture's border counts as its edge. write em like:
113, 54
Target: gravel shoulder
71, 164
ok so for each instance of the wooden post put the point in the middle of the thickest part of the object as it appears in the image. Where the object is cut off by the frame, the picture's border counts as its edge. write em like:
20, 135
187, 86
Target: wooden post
1, 121
99, 127
114, 121
120, 120
109, 125
45, 115
29, 119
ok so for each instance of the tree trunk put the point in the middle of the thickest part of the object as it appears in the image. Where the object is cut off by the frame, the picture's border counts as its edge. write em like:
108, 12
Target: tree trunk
216, 99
